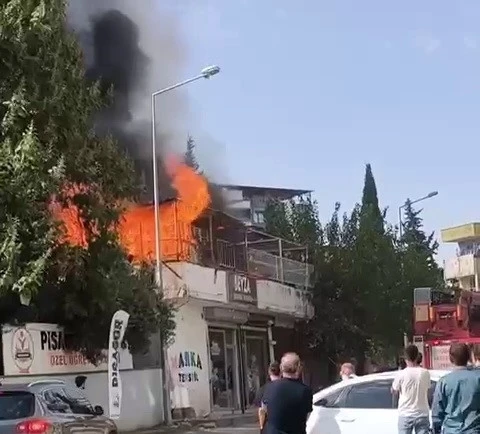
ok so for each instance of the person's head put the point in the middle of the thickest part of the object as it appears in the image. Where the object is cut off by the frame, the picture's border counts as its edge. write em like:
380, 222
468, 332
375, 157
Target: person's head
459, 354
402, 364
476, 354
419, 359
274, 371
290, 365
411, 355
347, 370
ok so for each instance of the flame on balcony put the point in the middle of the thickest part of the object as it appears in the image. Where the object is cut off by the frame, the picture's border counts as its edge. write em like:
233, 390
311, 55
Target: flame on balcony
137, 225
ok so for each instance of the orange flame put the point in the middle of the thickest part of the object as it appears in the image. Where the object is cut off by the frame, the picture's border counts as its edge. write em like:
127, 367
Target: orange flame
137, 227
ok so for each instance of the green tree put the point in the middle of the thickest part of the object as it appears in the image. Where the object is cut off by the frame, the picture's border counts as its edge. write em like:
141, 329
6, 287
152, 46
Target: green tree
357, 275
375, 270
277, 219
189, 156
48, 151
417, 252
370, 207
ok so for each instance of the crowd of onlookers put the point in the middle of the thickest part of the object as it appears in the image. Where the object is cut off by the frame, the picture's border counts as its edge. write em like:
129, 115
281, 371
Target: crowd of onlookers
285, 401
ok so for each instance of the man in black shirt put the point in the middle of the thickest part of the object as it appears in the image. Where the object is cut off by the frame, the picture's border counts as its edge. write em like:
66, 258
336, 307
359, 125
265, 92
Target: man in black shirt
273, 375
288, 401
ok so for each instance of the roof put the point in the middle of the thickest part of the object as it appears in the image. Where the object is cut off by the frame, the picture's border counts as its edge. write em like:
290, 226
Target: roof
468, 231
283, 193
389, 375
28, 385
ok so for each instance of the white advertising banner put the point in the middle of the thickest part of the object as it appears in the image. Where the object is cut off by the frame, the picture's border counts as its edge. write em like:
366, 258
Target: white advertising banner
441, 357
39, 349
117, 332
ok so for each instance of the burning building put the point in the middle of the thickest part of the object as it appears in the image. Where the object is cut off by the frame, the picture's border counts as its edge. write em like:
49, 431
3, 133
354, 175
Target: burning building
237, 289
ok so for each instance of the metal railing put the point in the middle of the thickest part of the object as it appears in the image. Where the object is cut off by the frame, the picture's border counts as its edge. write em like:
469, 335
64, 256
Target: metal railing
277, 268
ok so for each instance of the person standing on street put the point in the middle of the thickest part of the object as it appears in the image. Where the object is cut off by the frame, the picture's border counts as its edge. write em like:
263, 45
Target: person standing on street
476, 355
347, 371
288, 401
456, 402
273, 375
412, 384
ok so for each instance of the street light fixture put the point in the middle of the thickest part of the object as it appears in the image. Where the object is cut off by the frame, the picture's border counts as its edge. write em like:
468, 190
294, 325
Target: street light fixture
207, 72
400, 208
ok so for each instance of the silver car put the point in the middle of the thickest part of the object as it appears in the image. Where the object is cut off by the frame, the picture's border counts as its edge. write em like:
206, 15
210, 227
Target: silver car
48, 407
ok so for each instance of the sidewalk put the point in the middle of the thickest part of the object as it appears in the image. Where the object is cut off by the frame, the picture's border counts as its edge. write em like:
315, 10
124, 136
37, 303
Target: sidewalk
211, 424
247, 429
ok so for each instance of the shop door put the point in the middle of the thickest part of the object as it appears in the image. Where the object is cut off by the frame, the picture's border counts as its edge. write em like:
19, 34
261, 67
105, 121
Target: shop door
224, 368
256, 365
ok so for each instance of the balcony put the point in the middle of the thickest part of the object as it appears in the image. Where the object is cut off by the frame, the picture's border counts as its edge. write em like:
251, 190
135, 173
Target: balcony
461, 266
216, 240
228, 244
184, 280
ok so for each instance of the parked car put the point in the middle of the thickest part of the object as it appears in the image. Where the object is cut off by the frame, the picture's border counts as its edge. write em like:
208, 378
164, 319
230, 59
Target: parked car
40, 407
361, 405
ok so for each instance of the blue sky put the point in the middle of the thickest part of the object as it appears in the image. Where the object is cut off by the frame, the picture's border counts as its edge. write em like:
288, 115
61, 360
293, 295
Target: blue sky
310, 91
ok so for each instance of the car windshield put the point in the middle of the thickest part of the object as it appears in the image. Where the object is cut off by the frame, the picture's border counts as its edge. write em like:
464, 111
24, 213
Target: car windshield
16, 405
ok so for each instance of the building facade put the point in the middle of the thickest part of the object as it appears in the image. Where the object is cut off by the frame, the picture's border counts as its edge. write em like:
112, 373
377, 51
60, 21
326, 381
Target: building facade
464, 267
248, 203
235, 294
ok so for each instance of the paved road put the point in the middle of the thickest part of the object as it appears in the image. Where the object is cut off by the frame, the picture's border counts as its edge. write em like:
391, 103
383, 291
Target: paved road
248, 429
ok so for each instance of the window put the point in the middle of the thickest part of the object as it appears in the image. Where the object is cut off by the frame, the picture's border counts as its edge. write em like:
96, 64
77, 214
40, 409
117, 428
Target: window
375, 394
55, 400
16, 405
67, 401
78, 403
333, 400
258, 217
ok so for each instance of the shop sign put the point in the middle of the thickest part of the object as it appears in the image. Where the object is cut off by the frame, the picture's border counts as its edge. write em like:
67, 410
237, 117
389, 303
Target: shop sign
39, 349
241, 288
188, 364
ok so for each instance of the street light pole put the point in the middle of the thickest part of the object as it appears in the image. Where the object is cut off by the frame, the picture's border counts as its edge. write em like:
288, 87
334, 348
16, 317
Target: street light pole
205, 73
400, 208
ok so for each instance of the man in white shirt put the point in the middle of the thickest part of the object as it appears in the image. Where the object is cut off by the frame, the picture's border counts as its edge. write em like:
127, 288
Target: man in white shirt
412, 384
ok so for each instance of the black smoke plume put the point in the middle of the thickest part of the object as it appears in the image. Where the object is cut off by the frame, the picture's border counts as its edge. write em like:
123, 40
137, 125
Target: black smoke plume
114, 56
134, 50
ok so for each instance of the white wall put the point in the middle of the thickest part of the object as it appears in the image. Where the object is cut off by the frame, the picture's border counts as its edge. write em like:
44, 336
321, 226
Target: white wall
196, 281
189, 385
142, 395
210, 284
460, 266
276, 297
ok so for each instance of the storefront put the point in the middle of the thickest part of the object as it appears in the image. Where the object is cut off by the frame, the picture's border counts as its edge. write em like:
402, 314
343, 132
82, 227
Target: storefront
233, 350
239, 361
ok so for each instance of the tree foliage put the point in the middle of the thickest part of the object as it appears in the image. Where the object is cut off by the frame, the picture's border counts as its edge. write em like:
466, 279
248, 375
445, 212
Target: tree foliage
48, 152
189, 156
364, 276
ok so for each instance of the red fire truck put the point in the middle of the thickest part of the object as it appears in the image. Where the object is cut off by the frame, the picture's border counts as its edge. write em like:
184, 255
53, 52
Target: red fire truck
440, 319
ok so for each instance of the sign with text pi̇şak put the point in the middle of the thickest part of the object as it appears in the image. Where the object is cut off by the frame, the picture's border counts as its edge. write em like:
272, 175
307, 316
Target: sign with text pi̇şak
117, 332
39, 349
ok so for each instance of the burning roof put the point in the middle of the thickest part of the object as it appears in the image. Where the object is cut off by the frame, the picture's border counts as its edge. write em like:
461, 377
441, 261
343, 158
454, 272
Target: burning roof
137, 225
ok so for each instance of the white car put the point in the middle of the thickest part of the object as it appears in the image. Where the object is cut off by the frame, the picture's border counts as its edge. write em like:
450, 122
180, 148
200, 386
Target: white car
362, 405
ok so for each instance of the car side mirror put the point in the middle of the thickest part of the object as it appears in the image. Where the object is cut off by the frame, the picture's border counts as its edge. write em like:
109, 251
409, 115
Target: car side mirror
98, 410
321, 402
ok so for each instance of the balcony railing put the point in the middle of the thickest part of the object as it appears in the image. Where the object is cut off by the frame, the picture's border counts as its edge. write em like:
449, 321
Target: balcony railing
263, 264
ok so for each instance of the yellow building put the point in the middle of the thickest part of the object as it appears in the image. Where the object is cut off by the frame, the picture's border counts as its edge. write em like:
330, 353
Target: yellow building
465, 266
